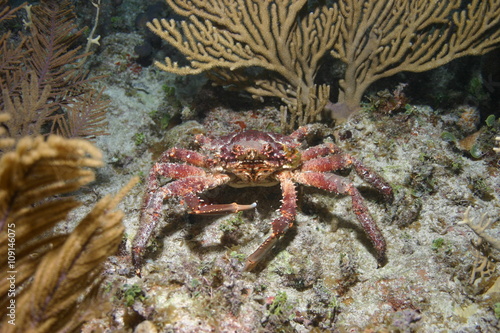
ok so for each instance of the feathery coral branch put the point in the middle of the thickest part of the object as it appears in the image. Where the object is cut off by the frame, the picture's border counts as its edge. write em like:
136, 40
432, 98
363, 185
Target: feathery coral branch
52, 271
41, 80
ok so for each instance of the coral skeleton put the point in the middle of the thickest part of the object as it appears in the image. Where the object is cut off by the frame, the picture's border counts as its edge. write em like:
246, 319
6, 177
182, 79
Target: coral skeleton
479, 228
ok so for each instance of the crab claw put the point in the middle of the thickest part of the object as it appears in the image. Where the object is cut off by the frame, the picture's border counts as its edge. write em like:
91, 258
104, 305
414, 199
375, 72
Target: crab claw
221, 208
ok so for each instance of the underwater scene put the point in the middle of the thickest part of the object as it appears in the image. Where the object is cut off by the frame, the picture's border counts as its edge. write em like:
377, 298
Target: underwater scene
250, 166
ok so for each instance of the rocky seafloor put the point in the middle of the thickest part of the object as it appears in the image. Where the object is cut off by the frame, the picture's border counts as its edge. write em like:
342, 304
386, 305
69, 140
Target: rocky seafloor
323, 276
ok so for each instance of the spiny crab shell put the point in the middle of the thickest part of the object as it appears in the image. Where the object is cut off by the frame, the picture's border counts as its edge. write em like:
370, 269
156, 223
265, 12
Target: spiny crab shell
253, 156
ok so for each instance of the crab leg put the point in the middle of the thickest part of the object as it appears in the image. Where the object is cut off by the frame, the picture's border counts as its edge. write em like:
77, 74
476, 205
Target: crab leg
342, 161
340, 185
197, 207
185, 155
372, 178
327, 163
155, 195
281, 224
320, 150
302, 132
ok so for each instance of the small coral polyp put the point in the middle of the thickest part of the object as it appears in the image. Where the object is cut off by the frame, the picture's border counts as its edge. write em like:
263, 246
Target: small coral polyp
254, 158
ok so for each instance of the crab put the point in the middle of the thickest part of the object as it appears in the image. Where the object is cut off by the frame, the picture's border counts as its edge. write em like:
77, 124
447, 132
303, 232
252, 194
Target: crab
255, 158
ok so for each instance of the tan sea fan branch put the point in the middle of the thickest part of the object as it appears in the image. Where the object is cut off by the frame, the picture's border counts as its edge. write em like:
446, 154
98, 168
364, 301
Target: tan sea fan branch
53, 271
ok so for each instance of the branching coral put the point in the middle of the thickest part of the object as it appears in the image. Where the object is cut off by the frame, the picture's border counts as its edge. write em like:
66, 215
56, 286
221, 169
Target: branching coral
479, 228
381, 38
375, 39
226, 36
483, 266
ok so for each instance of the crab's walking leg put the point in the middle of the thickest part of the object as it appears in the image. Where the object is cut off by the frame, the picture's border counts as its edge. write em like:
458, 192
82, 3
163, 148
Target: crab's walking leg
193, 180
155, 195
281, 224
324, 149
342, 161
374, 179
338, 184
302, 132
181, 154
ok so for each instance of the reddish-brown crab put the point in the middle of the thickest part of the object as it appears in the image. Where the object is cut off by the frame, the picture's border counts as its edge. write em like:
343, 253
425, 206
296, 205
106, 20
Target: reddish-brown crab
254, 158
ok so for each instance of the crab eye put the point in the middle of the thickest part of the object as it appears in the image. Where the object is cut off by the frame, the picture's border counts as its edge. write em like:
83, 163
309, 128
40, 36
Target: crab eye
267, 150
291, 153
236, 149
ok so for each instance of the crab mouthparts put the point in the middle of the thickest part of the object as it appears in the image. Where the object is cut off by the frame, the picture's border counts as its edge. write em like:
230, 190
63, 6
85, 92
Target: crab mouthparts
252, 155
253, 173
